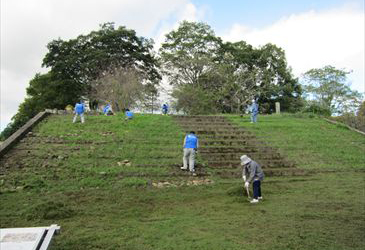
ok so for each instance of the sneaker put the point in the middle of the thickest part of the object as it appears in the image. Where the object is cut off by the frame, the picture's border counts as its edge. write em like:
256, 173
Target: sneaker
182, 168
254, 201
193, 174
259, 198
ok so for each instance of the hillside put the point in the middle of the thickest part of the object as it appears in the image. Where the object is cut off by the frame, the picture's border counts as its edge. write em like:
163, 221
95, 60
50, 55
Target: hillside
113, 184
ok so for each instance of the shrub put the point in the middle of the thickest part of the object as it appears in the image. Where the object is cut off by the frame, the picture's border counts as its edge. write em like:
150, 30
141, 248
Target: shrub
317, 108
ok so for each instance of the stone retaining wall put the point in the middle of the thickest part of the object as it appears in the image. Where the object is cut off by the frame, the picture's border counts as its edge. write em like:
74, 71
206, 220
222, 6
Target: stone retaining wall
20, 133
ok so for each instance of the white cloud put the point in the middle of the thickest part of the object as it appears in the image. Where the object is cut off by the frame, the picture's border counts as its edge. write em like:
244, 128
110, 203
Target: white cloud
315, 39
28, 25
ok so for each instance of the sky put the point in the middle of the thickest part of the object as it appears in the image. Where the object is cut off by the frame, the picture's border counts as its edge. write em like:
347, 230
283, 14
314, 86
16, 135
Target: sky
313, 33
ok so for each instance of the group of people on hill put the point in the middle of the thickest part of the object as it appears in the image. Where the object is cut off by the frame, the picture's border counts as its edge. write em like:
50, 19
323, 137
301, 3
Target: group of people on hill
79, 110
251, 172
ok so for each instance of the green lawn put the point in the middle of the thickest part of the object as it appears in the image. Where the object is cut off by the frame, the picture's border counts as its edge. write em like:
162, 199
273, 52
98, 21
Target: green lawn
313, 143
101, 205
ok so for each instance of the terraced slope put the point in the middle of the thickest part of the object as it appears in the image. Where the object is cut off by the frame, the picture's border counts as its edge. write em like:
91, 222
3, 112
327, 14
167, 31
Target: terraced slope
76, 176
103, 151
222, 143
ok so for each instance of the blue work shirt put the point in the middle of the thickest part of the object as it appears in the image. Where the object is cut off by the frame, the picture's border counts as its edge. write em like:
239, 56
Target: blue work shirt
165, 107
191, 141
106, 108
79, 108
129, 114
254, 108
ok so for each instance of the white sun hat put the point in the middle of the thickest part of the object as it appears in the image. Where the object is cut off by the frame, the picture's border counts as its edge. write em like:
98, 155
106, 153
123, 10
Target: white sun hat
245, 159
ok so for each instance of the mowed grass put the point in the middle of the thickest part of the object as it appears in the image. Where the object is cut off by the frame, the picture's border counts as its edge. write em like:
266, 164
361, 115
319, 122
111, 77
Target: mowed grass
111, 210
312, 143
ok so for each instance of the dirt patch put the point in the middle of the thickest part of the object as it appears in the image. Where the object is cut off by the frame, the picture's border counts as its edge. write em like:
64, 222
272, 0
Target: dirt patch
165, 184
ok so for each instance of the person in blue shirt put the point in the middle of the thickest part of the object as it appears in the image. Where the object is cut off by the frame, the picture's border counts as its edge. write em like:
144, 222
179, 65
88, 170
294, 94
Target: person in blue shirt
254, 111
79, 111
165, 108
191, 144
128, 114
106, 109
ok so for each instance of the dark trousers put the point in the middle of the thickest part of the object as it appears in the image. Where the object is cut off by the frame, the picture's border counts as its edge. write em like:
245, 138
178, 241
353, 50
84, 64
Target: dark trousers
256, 189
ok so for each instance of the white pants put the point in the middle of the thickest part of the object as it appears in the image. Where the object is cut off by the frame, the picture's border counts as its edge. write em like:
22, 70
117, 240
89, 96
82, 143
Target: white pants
189, 156
81, 116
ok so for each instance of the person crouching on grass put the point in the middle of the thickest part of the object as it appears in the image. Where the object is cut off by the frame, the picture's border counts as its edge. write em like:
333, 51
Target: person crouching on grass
255, 175
79, 111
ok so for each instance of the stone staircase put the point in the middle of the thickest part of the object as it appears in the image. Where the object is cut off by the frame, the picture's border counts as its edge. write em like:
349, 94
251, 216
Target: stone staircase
221, 144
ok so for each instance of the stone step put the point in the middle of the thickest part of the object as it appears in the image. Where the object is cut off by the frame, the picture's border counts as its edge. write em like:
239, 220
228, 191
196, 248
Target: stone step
268, 172
200, 117
204, 123
243, 143
257, 155
241, 150
217, 130
263, 163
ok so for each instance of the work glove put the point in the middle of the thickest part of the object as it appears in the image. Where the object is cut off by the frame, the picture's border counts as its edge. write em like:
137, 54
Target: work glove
244, 178
247, 184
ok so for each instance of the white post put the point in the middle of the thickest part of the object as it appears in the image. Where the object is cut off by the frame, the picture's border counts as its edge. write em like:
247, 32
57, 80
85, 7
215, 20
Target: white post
277, 107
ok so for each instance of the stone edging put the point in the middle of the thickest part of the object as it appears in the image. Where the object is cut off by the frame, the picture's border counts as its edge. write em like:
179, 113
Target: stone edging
340, 123
20, 133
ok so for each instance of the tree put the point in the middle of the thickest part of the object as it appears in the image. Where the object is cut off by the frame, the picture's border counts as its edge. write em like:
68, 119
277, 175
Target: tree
87, 57
276, 82
232, 73
328, 86
122, 87
149, 100
50, 92
193, 100
189, 52
244, 73
361, 111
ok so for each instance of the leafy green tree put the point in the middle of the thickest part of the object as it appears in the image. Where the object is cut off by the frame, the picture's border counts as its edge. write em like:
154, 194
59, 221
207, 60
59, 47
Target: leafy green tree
255, 73
234, 72
276, 82
88, 57
194, 100
50, 92
189, 52
329, 87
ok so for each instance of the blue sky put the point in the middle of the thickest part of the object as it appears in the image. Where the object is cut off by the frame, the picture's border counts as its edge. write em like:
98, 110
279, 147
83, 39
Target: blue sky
313, 33
259, 13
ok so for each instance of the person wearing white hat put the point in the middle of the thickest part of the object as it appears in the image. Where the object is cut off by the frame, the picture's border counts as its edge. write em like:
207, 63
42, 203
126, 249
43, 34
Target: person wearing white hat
255, 175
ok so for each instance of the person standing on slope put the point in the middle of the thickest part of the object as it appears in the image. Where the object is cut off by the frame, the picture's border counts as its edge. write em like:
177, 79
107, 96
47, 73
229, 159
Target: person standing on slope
254, 111
191, 145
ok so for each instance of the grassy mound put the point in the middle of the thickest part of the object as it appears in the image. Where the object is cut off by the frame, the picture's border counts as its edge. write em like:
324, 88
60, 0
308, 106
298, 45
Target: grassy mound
96, 181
